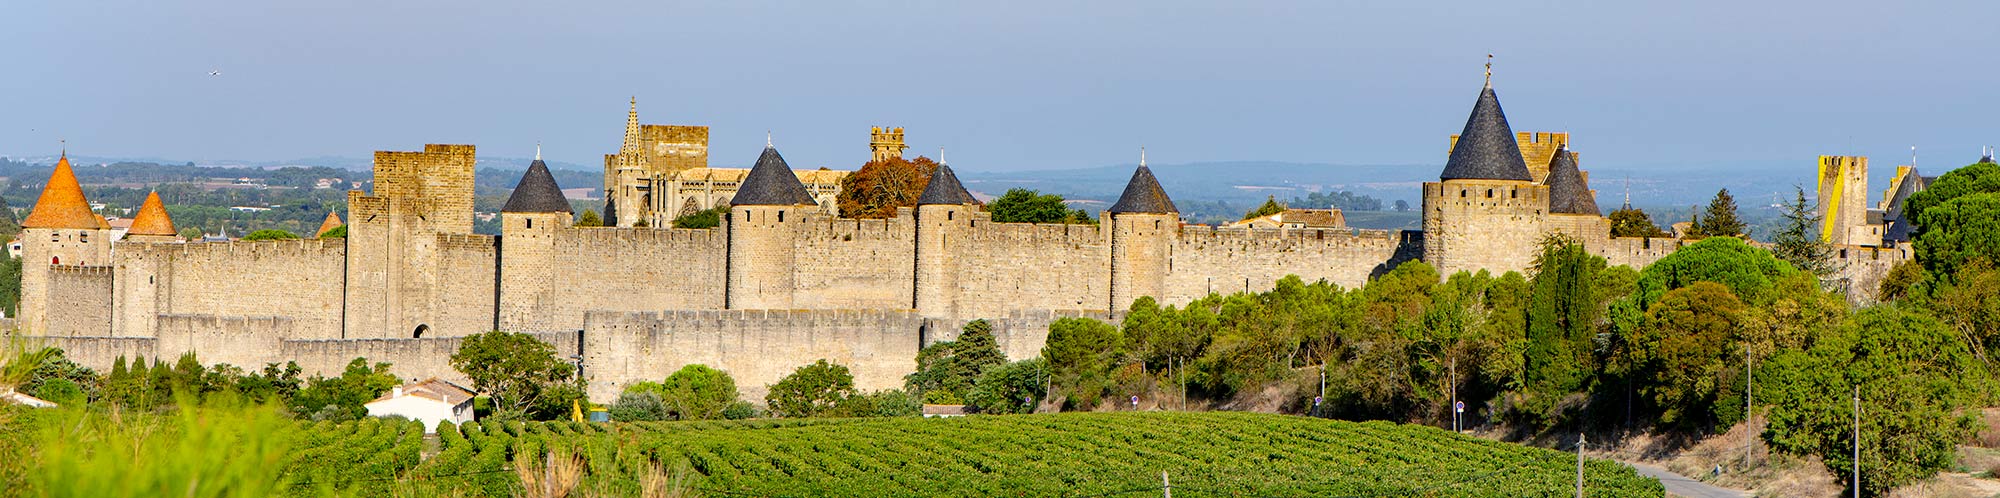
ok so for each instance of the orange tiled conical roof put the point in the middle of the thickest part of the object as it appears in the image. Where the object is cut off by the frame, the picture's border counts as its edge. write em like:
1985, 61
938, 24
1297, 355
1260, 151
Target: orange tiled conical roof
332, 222
152, 218
62, 204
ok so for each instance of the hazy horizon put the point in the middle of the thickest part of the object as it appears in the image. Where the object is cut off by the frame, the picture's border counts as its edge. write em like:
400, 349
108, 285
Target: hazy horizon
1003, 87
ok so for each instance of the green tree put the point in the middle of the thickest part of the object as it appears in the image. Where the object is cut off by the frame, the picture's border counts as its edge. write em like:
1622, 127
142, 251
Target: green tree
521, 372
1028, 206
1915, 381
1978, 178
695, 392
341, 398
589, 219
1010, 388
1748, 271
1080, 352
1689, 356
706, 218
339, 232
10, 285
270, 234
1563, 313
811, 390
1721, 220
1970, 303
1901, 278
1798, 243
1957, 231
1271, 206
1632, 222
946, 371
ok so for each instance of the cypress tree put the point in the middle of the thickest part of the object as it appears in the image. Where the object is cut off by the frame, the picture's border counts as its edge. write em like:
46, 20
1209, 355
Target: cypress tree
1721, 220
1796, 243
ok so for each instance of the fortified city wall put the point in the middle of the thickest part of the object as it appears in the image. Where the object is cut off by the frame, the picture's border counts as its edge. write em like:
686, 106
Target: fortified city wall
1225, 260
846, 263
85, 292
298, 279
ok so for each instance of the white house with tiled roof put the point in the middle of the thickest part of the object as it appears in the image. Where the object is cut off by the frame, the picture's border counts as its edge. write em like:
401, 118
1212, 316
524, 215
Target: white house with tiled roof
430, 401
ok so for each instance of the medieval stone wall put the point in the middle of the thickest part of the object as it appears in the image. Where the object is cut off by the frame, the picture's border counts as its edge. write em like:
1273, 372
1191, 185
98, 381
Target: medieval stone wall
633, 269
244, 341
79, 300
1004, 267
411, 359
467, 276
1228, 260
301, 279
843, 263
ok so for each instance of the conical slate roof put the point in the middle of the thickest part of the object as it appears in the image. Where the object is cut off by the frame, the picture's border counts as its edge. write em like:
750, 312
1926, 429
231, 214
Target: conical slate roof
152, 218
62, 204
1144, 195
1486, 149
1569, 193
771, 183
332, 221
944, 188
537, 192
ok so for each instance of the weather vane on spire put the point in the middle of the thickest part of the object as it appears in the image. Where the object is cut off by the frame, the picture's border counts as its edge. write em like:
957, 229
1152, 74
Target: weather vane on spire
1489, 70
538, 150
767, 138
65, 146
1142, 156
940, 155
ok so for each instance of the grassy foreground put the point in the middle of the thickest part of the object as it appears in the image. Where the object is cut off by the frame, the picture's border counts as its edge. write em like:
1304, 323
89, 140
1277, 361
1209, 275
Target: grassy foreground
242, 453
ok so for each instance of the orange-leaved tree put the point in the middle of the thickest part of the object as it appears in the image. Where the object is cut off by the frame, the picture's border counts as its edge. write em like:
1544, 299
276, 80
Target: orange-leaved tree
879, 187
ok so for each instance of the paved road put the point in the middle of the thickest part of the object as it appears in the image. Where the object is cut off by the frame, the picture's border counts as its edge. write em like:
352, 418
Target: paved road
1679, 485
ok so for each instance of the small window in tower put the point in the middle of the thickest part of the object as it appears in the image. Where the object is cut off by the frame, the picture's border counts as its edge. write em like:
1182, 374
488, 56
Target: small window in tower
949, 215
1461, 193
1511, 193
83, 237
531, 223
55, 260
1489, 193
419, 333
1156, 224
781, 216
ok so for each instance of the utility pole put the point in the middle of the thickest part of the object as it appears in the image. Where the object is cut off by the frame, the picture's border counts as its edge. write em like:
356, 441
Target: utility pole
1454, 395
1322, 388
1857, 441
1166, 484
1579, 464
1749, 415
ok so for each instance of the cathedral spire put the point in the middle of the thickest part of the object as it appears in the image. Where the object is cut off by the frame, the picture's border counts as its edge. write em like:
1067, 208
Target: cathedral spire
631, 129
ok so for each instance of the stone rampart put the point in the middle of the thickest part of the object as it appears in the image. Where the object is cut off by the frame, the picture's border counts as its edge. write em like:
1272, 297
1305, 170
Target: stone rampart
411, 359
632, 269
844, 263
79, 301
757, 347
1003, 267
1227, 260
300, 279
244, 341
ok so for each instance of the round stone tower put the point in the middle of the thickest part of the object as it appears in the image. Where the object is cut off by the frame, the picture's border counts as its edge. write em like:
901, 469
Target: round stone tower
530, 223
1144, 225
60, 231
944, 216
764, 220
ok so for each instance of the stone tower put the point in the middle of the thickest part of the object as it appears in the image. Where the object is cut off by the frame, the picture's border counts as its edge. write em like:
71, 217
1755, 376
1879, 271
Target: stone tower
768, 211
152, 224
61, 232
1486, 211
530, 222
625, 175
886, 143
395, 262
944, 218
1843, 198
1144, 224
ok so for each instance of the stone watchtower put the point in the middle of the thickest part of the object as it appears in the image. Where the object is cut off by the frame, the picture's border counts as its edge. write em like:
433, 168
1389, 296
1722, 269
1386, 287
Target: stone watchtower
395, 265
886, 143
769, 208
152, 224
1486, 211
61, 232
1144, 225
1843, 199
529, 223
945, 213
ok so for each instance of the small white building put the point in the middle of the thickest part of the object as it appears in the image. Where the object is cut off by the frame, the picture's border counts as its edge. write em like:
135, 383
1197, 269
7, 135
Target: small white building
430, 401
14, 397
943, 411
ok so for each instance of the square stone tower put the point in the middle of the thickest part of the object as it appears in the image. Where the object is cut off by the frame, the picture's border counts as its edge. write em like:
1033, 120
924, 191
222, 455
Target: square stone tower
1843, 198
395, 265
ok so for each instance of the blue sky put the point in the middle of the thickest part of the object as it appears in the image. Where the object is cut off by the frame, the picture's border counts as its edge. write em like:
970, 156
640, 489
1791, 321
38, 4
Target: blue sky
1002, 85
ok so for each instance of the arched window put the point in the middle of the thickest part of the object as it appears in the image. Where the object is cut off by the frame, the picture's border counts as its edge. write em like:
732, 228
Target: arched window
419, 333
55, 260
